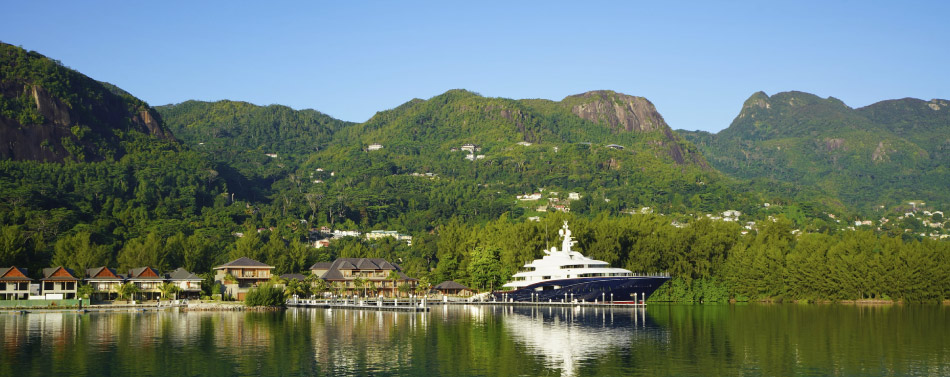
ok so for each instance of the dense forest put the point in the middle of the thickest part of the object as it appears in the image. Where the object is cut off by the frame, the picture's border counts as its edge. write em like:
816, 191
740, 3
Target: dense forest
197, 184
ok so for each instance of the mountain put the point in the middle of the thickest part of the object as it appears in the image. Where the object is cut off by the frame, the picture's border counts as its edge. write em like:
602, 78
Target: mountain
460, 116
883, 154
52, 113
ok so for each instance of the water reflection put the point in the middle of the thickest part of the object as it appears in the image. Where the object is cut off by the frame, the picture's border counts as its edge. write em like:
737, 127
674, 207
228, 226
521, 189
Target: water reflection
485, 340
567, 337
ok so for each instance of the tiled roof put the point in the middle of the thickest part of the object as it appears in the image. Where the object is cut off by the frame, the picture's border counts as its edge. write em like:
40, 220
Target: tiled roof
5, 270
243, 262
182, 274
48, 274
92, 272
136, 273
448, 284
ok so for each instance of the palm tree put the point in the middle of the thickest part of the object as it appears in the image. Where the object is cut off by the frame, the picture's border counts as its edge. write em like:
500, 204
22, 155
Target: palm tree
296, 287
360, 283
128, 291
317, 285
168, 289
393, 277
372, 287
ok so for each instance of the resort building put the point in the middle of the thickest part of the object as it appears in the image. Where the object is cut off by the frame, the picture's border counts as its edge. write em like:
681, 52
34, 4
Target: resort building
451, 288
343, 272
148, 281
189, 284
14, 283
245, 273
59, 283
105, 283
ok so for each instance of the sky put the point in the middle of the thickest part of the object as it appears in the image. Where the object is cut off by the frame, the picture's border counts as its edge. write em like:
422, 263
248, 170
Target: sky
696, 61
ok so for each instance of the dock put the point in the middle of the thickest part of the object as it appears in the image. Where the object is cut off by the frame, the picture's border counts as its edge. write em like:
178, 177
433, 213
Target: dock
415, 306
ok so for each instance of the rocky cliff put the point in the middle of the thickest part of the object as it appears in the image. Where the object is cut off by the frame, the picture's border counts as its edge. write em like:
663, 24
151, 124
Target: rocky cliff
51, 113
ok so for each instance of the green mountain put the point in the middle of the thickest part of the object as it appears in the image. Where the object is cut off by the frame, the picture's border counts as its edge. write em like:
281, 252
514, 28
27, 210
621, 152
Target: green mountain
458, 116
52, 113
883, 154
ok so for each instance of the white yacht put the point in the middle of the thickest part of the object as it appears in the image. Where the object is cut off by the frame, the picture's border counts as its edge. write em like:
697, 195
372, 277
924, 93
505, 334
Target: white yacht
568, 275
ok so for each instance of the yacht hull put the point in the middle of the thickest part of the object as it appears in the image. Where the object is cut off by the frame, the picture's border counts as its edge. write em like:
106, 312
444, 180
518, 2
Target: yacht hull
616, 289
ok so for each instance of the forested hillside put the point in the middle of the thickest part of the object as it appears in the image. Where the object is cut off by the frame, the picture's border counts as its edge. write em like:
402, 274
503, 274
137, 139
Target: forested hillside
92, 176
880, 156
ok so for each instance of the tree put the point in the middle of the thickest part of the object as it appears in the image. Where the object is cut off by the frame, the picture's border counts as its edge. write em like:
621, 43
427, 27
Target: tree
317, 285
265, 295
84, 291
79, 253
393, 277
127, 291
169, 289
484, 268
360, 283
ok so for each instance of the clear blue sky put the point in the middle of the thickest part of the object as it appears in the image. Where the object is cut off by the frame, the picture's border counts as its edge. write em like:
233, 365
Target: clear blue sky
697, 62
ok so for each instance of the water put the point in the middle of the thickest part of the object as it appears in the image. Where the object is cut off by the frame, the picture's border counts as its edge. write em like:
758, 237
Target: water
753, 340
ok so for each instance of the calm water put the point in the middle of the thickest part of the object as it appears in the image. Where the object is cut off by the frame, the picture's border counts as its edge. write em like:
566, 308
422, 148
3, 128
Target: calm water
486, 341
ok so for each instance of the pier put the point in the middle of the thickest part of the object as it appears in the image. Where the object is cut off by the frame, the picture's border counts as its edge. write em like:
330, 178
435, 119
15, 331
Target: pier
412, 306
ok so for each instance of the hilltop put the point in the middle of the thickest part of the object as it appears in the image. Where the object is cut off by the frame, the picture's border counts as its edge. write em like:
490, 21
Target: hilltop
881, 155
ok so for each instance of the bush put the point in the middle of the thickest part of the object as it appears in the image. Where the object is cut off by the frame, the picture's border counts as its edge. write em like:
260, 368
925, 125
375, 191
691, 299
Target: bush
265, 295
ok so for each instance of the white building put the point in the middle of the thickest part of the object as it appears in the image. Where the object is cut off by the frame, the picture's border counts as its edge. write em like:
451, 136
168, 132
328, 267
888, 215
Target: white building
574, 196
535, 196
374, 147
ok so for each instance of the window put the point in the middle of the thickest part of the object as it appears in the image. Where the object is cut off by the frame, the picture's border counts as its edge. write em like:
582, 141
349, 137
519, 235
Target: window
3, 286
70, 286
48, 286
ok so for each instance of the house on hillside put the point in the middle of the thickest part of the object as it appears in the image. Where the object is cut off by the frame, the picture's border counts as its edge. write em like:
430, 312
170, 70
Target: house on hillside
615, 146
246, 273
374, 147
105, 283
343, 272
14, 283
59, 283
471, 148
189, 284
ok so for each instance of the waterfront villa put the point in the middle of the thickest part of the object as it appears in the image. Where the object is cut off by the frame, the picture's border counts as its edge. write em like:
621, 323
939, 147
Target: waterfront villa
104, 281
451, 288
343, 272
189, 284
14, 283
148, 282
59, 283
245, 273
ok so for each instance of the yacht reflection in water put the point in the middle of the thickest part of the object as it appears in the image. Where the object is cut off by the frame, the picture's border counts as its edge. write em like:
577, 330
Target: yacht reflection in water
568, 337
